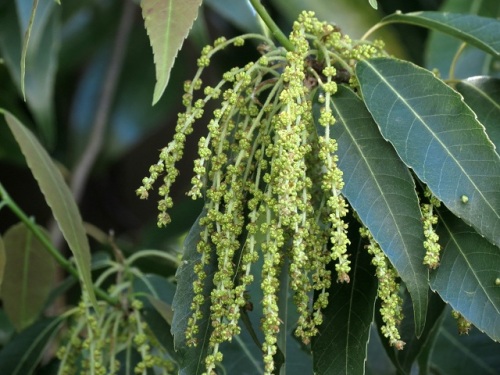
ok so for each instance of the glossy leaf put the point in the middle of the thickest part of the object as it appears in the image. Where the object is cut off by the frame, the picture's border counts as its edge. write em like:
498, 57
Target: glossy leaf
59, 199
168, 23
466, 277
342, 343
442, 48
381, 190
29, 276
2, 261
482, 32
482, 94
23, 353
436, 134
191, 359
468, 354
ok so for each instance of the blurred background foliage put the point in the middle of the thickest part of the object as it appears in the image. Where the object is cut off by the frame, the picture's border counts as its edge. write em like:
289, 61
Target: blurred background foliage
68, 65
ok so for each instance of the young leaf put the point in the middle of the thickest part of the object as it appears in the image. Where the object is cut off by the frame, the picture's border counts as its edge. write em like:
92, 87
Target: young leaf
467, 274
373, 3
59, 199
436, 134
191, 359
22, 354
29, 277
341, 346
482, 32
381, 190
168, 23
482, 94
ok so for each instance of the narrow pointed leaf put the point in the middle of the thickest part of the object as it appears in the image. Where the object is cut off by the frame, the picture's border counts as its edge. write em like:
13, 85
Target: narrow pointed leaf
59, 199
23, 353
29, 277
482, 94
436, 134
466, 277
342, 343
482, 32
191, 359
168, 23
26, 41
381, 190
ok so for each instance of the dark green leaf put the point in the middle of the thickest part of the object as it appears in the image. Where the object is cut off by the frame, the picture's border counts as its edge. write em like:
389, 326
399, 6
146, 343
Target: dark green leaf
468, 354
482, 32
378, 362
191, 359
436, 134
482, 94
168, 23
466, 277
442, 49
29, 276
381, 190
342, 343
24, 351
59, 199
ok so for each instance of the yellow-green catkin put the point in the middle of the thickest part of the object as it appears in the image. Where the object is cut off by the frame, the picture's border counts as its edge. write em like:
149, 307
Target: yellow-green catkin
463, 325
270, 180
391, 309
431, 242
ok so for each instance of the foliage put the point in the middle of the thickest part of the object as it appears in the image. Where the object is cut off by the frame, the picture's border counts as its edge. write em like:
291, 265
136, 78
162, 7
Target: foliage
344, 205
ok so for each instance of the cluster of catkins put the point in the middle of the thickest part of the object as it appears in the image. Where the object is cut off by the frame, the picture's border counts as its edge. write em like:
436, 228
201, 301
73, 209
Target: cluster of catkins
268, 173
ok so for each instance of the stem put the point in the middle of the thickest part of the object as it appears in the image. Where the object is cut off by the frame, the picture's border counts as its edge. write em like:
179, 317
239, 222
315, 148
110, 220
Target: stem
275, 30
44, 240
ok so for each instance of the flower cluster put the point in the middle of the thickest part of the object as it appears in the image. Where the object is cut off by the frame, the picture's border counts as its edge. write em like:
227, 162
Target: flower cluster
391, 309
463, 325
431, 244
268, 173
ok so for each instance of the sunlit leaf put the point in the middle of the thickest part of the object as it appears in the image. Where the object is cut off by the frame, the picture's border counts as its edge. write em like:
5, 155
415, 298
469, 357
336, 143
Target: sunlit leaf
466, 277
29, 276
468, 354
342, 343
191, 359
436, 134
59, 199
23, 353
381, 190
373, 3
482, 94
168, 23
482, 32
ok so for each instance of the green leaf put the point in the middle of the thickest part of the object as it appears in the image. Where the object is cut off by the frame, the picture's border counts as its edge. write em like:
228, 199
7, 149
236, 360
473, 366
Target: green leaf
24, 52
441, 48
22, 354
40, 60
239, 13
168, 23
2, 261
482, 94
468, 354
191, 359
381, 190
466, 277
373, 3
59, 199
342, 343
29, 277
436, 134
482, 32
